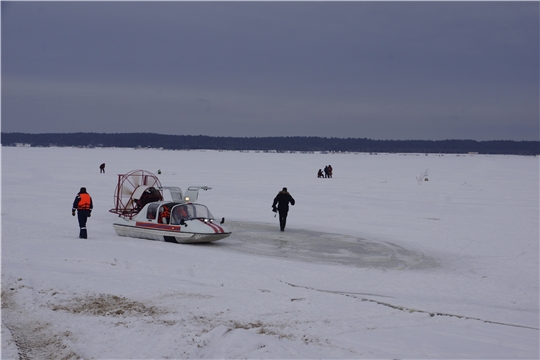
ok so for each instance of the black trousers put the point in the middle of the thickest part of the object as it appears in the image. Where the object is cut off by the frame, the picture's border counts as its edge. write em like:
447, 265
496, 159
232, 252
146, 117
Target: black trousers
82, 216
283, 219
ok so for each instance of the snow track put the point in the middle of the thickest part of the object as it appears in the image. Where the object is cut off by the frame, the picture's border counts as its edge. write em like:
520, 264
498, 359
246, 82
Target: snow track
34, 336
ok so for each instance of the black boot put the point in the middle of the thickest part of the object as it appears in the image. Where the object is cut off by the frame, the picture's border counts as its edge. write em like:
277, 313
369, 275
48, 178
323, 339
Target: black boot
282, 222
82, 233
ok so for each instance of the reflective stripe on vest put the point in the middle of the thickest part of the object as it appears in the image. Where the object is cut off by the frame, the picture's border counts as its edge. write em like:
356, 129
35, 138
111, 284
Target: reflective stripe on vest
84, 203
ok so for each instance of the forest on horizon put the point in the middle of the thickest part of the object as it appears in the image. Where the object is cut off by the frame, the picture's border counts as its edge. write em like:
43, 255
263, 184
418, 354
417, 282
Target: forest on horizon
279, 144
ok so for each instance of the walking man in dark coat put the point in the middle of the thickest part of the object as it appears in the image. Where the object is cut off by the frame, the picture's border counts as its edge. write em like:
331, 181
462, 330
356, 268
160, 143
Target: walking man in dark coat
83, 204
282, 200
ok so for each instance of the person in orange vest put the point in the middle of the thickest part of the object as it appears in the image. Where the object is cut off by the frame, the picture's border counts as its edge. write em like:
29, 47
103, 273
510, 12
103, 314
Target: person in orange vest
83, 204
164, 215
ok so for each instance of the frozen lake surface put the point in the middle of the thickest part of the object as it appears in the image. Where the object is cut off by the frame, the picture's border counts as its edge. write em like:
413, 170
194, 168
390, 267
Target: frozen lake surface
377, 262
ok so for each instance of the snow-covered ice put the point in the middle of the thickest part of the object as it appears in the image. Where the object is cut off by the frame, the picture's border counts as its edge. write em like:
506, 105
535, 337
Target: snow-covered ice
374, 263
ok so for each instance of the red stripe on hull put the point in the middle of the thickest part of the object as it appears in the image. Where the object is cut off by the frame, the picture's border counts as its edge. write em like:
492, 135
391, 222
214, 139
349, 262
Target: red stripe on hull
157, 226
217, 229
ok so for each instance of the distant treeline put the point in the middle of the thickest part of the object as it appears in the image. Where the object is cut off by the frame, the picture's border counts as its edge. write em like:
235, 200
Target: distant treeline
279, 144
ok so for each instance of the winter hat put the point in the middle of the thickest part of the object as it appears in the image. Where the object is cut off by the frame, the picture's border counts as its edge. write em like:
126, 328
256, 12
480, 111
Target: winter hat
82, 191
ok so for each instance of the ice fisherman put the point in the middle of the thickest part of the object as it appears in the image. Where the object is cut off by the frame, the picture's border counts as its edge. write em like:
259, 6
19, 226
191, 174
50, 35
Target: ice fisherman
282, 200
83, 204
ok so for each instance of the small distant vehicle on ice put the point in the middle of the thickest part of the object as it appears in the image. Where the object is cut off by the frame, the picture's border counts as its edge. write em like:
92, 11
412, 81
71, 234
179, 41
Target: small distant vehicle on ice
145, 214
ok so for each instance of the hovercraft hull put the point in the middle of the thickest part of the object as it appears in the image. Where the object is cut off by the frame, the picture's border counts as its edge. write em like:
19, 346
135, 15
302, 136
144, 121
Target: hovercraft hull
170, 233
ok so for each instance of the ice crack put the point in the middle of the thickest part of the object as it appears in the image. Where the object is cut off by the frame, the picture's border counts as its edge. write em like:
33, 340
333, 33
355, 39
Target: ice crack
406, 309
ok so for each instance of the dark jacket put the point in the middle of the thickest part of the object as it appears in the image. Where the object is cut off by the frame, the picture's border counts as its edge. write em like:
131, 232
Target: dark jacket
282, 200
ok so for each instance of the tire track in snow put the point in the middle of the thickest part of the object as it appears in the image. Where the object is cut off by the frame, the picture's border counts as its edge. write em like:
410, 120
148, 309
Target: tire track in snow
21, 354
33, 336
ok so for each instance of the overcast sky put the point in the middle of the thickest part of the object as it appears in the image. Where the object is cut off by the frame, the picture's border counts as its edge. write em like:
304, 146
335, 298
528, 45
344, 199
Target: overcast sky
379, 70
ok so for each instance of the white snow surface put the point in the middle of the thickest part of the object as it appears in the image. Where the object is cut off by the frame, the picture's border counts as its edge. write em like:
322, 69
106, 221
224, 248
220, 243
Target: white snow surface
374, 263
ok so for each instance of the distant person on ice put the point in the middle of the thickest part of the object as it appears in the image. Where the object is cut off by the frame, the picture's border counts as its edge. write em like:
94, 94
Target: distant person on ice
282, 200
102, 168
83, 204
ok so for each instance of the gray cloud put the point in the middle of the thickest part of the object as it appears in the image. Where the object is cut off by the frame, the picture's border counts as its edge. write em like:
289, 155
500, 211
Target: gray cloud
382, 70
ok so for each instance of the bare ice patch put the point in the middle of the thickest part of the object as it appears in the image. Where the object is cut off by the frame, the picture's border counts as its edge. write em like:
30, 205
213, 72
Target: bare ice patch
314, 246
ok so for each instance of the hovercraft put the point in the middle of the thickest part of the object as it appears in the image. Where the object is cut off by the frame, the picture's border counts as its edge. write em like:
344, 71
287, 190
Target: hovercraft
145, 214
